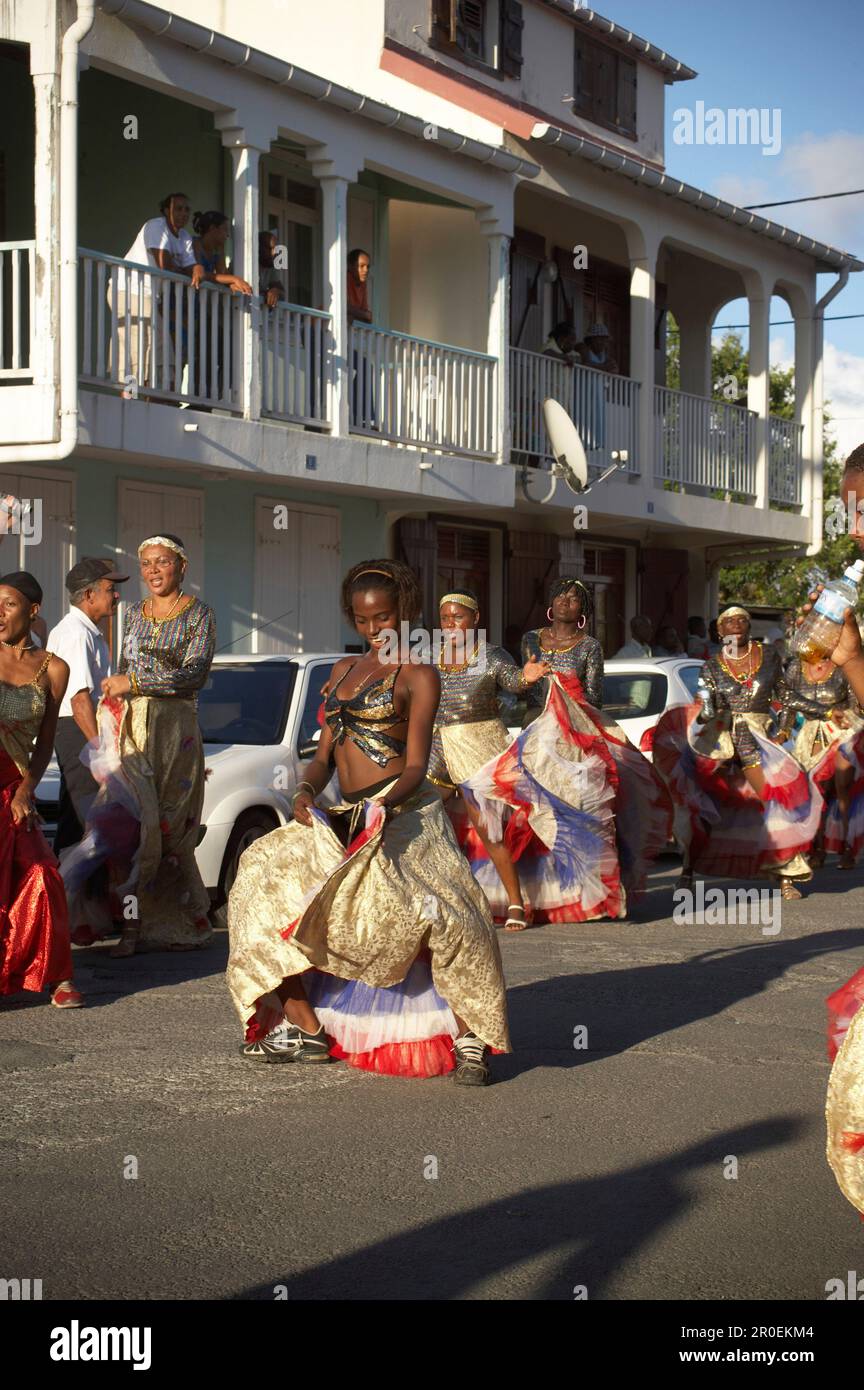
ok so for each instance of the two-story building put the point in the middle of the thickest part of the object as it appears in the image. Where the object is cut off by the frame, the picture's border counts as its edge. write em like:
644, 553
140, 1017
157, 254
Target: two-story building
502, 164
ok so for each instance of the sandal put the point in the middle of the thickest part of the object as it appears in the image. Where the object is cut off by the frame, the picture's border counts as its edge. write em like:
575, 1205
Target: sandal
788, 891
66, 996
513, 923
847, 859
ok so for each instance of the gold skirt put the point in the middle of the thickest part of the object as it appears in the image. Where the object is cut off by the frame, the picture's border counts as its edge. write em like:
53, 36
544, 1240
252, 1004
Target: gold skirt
366, 918
468, 746
163, 757
845, 1113
816, 736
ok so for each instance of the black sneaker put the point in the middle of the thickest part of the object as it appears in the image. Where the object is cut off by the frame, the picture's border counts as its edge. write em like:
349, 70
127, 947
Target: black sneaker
288, 1043
471, 1068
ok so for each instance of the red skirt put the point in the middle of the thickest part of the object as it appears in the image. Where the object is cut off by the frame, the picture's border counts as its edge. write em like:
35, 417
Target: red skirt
34, 923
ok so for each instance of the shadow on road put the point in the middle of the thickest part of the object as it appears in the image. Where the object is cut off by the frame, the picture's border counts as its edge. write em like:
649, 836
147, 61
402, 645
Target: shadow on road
593, 1227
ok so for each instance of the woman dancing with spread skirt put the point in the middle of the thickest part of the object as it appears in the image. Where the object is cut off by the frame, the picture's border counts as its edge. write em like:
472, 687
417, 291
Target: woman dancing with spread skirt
469, 731
365, 922
35, 950
588, 812
744, 808
831, 750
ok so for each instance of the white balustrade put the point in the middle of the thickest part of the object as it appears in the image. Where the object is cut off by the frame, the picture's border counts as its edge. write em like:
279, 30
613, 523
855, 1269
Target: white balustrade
603, 406
704, 444
17, 289
785, 444
296, 357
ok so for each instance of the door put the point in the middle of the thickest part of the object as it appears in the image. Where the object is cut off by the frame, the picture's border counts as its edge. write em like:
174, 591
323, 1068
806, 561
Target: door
291, 211
152, 509
45, 540
464, 563
297, 572
605, 575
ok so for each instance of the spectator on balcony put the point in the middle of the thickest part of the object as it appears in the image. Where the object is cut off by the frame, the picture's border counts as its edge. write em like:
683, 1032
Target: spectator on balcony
596, 350
668, 643
363, 395
640, 638
697, 638
164, 243
212, 230
270, 288
562, 343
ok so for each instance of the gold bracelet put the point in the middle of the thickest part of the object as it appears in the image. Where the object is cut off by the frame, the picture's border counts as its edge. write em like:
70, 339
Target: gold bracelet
312, 791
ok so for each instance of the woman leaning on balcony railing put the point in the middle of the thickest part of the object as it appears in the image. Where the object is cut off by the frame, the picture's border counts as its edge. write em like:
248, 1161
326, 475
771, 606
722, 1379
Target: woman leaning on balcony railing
212, 230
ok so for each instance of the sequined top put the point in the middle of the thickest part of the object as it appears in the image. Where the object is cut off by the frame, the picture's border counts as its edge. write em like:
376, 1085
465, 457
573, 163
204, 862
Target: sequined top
469, 696
168, 658
365, 718
754, 696
585, 659
832, 693
22, 709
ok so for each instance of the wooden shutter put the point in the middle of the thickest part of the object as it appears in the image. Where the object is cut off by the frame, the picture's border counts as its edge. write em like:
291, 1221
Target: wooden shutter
627, 94
444, 21
512, 25
418, 542
585, 85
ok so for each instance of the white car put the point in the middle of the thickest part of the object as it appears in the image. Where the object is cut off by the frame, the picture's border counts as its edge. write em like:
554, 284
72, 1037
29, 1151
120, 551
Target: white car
259, 721
636, 691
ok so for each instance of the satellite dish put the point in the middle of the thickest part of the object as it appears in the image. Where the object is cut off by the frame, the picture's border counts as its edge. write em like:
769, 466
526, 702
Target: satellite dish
571, 461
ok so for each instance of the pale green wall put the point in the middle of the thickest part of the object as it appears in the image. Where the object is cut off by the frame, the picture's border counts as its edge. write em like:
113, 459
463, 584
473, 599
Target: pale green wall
122, 182
229, 529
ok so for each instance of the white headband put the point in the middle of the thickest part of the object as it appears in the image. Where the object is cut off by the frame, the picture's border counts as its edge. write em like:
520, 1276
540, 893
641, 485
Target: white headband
167, 542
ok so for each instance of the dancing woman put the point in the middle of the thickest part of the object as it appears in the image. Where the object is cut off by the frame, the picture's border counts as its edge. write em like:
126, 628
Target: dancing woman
469, 729
148, 725
744, 808
332, 917
819, 748
587, 810
35, 950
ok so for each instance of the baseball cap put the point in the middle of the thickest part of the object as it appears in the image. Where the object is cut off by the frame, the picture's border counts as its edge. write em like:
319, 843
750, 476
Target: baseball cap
90, 571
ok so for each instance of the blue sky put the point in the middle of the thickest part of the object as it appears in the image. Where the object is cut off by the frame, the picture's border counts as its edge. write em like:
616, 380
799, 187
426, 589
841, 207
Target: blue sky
804, 59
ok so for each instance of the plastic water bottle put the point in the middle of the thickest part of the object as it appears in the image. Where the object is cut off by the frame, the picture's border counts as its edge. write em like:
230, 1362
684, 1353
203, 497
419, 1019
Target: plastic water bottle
820, 631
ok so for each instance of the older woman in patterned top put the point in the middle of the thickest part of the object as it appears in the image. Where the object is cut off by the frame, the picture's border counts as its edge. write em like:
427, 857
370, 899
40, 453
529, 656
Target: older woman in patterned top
168, 644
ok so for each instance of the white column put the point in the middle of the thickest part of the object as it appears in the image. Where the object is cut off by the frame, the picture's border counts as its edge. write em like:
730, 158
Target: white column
695, 329
245, 160
759, 381
643, 261
334, 231
45, 325
498, 336
811, 449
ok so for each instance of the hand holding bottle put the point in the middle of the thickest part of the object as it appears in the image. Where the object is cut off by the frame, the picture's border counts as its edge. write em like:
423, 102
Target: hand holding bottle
848, 646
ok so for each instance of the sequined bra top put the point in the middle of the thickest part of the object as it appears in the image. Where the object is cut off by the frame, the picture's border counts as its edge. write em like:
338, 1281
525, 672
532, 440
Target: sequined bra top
22, 709
366, 717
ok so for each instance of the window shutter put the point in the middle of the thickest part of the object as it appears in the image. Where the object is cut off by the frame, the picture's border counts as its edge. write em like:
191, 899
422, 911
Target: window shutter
627, 94
512, 24
444, 20
584, 85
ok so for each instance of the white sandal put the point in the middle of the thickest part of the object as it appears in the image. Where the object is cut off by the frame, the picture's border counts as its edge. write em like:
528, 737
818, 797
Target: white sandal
513, 923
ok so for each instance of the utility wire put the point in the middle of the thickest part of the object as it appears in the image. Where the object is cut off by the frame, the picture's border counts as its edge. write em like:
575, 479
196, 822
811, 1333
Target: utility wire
814, 198
779, 323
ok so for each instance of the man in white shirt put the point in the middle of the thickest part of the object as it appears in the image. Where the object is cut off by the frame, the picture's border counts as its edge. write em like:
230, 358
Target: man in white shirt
640, 630
162, 242
91, 585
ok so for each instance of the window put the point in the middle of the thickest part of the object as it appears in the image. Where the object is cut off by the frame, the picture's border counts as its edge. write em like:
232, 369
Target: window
486, 33
634, 696
246, 702
690, 677
310, 725
605, 86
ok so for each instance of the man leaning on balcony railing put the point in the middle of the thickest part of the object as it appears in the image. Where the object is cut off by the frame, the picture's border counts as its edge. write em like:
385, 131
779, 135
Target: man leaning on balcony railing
162, 242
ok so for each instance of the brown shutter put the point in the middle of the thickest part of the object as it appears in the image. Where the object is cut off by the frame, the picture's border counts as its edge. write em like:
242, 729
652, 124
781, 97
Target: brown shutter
627, 94
584, 79
418, 544
444, 21
512, 25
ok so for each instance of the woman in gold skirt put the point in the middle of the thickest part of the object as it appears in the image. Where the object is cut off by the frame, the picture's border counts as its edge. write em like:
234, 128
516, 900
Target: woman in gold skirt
360, 933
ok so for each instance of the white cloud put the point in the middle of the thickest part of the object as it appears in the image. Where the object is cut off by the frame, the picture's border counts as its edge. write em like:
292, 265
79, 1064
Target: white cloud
844, 388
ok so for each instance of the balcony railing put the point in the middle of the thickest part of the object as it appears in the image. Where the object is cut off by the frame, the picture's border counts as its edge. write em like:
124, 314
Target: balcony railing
296, 357
417, 392
17, 284
605, 409
147, 332
785, 447
703, 445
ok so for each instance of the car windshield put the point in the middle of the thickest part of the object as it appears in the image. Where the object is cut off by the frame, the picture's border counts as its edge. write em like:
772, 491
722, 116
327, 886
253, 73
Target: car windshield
246, 702
634, 695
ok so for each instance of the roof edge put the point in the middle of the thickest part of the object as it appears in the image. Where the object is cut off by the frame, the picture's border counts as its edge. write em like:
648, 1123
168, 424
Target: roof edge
671, 68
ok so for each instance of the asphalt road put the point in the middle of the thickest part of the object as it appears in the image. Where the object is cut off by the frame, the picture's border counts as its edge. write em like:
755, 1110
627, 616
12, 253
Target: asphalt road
609, 1168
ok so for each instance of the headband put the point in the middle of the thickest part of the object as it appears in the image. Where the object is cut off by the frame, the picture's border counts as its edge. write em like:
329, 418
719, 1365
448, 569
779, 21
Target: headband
384, 572
734, 612
464, 599
166, 541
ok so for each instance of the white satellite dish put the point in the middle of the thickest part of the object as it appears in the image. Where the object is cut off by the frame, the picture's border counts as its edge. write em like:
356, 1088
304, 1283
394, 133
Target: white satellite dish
571, 461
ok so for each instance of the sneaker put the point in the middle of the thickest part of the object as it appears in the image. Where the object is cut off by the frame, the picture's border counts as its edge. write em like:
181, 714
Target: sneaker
471, 1068
288, 1043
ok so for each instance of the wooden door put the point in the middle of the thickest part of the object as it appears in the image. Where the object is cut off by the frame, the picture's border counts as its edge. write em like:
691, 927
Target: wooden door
297, 572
